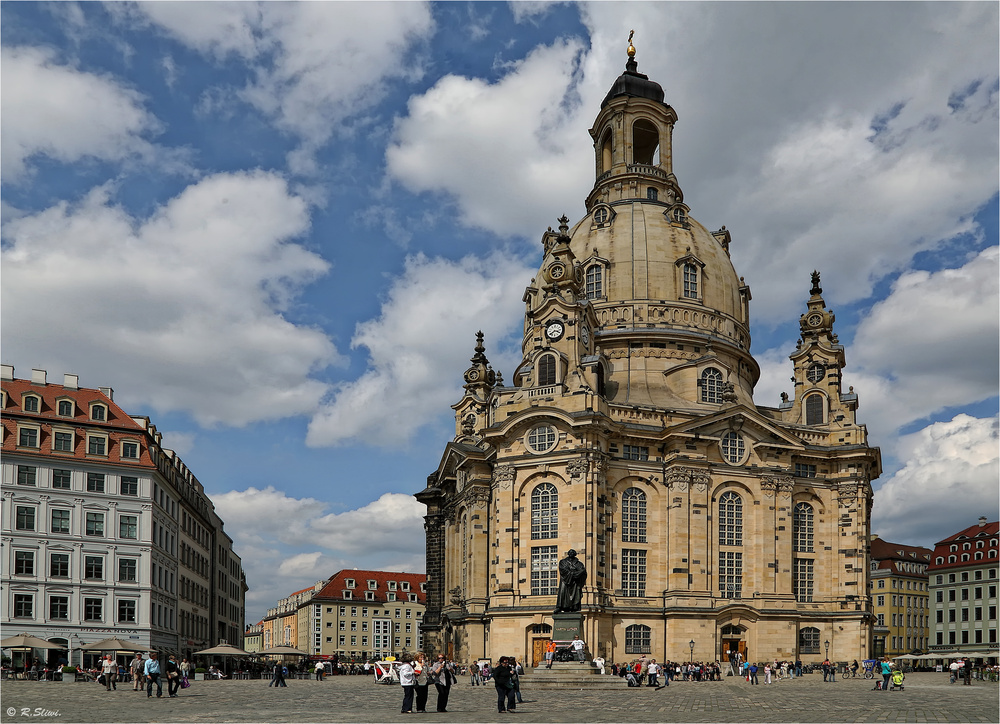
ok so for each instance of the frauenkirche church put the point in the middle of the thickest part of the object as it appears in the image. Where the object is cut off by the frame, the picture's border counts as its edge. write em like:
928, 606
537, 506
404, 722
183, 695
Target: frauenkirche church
630, 434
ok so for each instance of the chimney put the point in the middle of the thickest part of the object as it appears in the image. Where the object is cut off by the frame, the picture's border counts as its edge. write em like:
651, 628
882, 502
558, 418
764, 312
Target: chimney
107, 392
982, 521
38, 377
71, 382
6, 372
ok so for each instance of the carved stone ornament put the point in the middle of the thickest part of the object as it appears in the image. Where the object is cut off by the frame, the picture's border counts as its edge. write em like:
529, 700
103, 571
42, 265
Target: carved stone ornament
468, 424
476, 495
774, 484
578, 467
680, 477
456, 595
847, 490
460, 480
503, 476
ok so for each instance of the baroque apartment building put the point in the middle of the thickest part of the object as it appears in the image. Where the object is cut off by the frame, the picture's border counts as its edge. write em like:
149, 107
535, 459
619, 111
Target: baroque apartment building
355, 615
105, 531
708, 522
963, 589
900, 598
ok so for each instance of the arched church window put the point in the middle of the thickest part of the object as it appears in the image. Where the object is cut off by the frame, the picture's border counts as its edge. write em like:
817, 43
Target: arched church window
546, 370
711, 385
633, 516
595, 281
544, 512
542, 438
730, 519
690, 281
600, 381
680, 216
637, 639
802, 528
814, 410
809, 640
645, 143
606, 152
651, 194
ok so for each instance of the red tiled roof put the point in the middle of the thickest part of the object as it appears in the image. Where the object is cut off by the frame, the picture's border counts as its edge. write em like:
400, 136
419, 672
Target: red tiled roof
972, 534
336, 586
889, 555
118, 425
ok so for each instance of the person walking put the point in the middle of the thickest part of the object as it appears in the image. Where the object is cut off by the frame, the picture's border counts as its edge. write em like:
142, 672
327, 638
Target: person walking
173, 676
652, 671
136, 667
320, 670
753, 674
109, 667
967, 669
278, 676
185, 668
407, 680
517, 671
503, 681
152, 673
476, 679
443, 674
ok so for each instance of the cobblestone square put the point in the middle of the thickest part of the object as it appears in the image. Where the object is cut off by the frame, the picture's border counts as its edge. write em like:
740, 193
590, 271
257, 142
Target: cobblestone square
927, 697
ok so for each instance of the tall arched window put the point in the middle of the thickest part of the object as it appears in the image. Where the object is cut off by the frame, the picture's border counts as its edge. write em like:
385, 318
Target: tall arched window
546, 370
637, 639
802, 527
690, 281
633, 516
651, 194
544, 512
595, 281
711, 385
606, 152
814, 410
645, 143
730, 536
809, 640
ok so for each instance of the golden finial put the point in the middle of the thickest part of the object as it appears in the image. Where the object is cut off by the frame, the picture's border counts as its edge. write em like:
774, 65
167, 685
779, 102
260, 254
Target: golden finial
631, 48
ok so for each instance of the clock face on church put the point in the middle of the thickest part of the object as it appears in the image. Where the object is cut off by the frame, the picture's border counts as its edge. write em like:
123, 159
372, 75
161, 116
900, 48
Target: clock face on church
554, 330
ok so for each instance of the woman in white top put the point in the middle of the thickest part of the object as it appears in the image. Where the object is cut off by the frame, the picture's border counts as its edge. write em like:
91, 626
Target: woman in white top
408, 680
109, 668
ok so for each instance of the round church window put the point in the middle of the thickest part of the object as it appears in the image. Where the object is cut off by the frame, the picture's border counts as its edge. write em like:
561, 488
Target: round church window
733, 448
542, 438
816, 372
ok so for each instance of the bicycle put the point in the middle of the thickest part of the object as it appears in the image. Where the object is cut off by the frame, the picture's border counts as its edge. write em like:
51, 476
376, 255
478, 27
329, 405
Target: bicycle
849, 673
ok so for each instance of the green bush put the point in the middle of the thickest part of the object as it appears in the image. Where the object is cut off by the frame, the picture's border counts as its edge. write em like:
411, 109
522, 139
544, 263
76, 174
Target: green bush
69, 669
200, 670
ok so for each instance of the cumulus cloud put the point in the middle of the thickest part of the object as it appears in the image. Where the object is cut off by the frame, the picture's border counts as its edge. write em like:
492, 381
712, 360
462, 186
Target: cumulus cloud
932, 343
56, 110
288, 543
949, 480
515, 128
419, 346
313, 65
190, 302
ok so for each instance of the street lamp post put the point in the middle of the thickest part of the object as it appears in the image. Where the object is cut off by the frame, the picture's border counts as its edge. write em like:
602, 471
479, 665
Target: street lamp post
691, 644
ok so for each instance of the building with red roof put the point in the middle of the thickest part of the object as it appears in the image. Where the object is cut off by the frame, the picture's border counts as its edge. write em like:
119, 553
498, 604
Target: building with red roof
107, 532
900, 599
963, 587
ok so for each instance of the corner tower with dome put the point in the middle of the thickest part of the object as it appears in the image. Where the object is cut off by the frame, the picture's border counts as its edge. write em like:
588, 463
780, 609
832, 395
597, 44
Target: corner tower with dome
629, 433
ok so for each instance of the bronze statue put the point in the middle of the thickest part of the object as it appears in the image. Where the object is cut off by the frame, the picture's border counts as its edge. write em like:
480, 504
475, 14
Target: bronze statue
572, 576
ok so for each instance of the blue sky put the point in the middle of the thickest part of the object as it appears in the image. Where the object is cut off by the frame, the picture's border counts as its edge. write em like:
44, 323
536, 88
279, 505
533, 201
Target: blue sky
276, 228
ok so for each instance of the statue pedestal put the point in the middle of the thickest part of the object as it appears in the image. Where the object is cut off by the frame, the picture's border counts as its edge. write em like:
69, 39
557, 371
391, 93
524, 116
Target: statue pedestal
565, 626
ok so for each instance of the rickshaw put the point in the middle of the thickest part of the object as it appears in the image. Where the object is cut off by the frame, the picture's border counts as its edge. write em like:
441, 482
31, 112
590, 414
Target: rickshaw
387, 672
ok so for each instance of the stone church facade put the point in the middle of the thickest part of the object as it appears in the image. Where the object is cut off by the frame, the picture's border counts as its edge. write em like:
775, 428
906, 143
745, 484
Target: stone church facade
707, 523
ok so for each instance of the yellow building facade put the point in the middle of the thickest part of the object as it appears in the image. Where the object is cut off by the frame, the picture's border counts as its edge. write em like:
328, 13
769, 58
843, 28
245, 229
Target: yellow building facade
708, 524
900, 598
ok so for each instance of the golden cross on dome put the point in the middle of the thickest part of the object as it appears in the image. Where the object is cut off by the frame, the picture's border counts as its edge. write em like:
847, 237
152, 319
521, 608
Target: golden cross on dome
631, 48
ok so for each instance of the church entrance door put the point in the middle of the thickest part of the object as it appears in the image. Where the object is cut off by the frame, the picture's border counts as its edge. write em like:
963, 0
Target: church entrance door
538, 651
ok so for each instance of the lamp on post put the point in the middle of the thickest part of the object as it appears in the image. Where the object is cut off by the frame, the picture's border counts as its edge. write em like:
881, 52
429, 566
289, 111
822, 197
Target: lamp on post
691, 644
827, 644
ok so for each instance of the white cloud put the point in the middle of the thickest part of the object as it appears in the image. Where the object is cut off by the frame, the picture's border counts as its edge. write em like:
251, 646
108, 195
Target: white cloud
189, 302
515, 128
949, 480
419, 346
287, 544
932, 343
314, 64
66, 114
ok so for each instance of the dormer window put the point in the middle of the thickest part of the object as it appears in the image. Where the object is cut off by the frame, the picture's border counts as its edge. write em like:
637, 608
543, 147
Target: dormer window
65, 408
413, 598
390, 596
690, 281
392, 585
369, 595
405, 585
423, 587
680, 216
349, 583
31, 403
595, 281
130, 450
711, 385
99, 413
347, 595
372, 585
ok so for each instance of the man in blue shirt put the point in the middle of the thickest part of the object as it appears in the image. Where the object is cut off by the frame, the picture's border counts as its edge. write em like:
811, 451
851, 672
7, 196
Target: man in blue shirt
152, 672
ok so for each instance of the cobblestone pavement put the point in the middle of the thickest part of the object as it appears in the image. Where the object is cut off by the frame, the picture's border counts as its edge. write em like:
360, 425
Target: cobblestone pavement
927, 697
